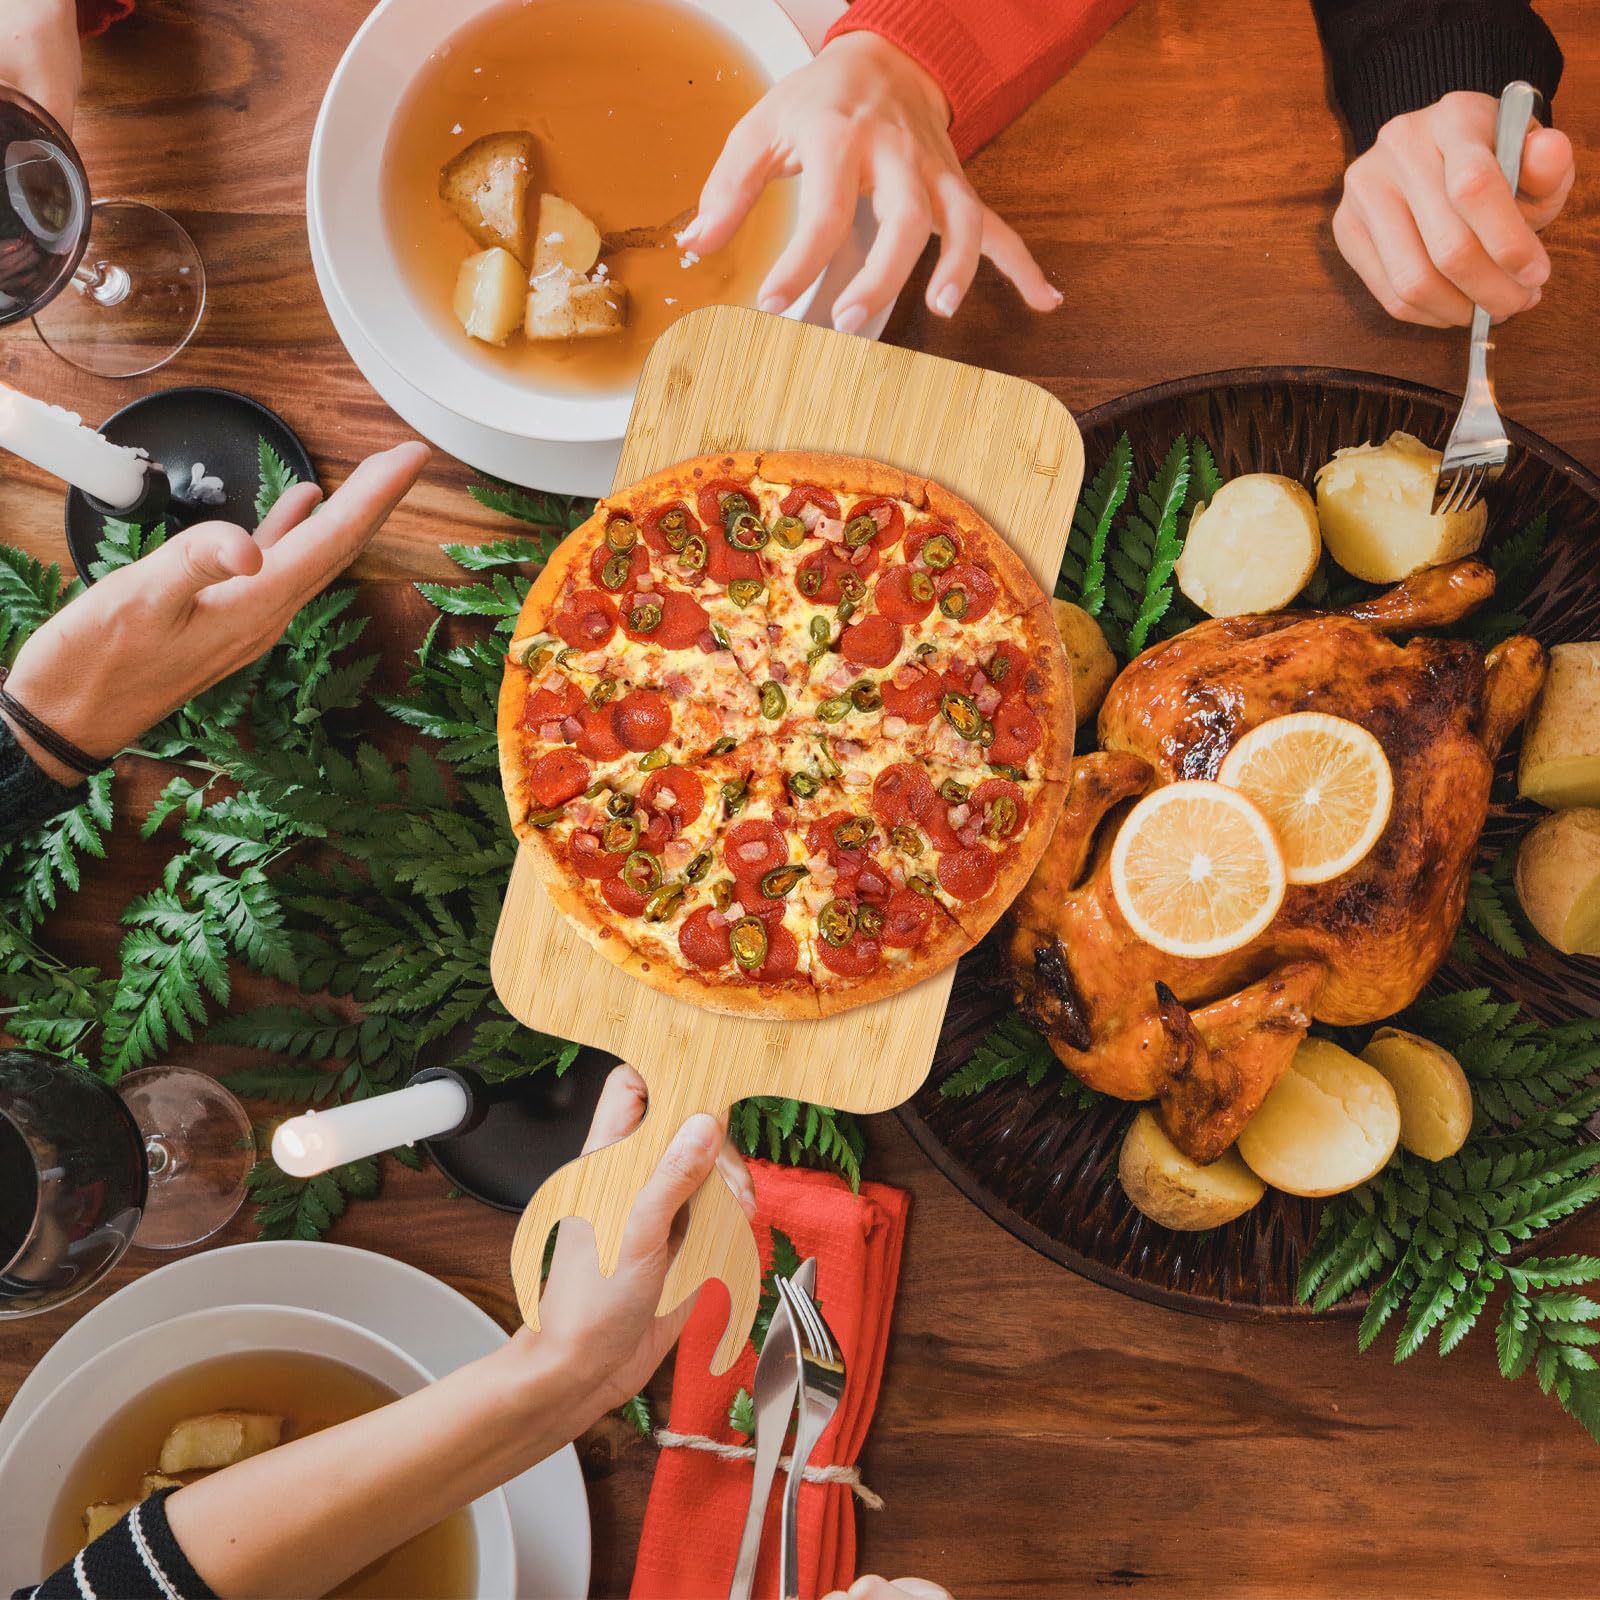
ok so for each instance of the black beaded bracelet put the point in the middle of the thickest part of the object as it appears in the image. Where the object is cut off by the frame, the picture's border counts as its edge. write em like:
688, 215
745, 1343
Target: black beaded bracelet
46, 737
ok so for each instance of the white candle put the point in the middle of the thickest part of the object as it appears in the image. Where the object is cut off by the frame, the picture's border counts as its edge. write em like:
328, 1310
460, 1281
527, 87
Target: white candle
317, 1140
57, 441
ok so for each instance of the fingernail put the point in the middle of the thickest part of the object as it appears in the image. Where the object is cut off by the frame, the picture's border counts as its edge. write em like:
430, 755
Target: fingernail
1533, 275
771, 302
699, 1136
852, 319
948, 299
1059, 297
1534, 299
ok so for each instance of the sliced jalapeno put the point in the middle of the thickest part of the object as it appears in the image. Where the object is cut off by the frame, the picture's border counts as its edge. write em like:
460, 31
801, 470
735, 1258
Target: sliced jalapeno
953, 602
563, 657
734, 794
835, 708
869, 919
1002, 821
906, 838
777, 883
652, 759
746, 531
836, 922
843, 612
939, 551
543, 819
953, 791
663, 902
924, 650
962, 715
723, 745
1006, 770
821, 632
997, 666
774, 702
621, 535
641, 872
533, 653
810, 580
828, 767
733, 504
720, 634
620, 805
852, 833
921, 586
921, 884
673, 526
866, 696
722, 893
604, 690
802, 785
743, 590
852, 586
692, 554
748, 940
621, 834
986, 733
815, 654
614, 574
698, 867
790, 532
645, 618
595, 790
859, 531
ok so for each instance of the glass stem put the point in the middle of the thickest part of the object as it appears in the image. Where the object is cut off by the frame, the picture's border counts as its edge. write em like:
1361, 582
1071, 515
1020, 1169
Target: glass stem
103, 282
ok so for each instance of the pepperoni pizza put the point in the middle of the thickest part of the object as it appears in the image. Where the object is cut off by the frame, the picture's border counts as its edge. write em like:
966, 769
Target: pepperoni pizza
785, 732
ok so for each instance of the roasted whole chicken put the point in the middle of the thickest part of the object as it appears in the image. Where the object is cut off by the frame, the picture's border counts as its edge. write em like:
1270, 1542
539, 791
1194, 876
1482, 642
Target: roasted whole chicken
1209, 1038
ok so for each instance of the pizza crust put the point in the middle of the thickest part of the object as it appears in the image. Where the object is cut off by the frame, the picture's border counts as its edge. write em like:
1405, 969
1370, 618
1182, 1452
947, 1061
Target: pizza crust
853, 476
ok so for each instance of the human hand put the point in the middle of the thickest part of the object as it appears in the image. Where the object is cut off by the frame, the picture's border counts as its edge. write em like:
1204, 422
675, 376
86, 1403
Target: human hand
873, 1587
1430, 224
39, 54
150, 636
604, 1332
862, 118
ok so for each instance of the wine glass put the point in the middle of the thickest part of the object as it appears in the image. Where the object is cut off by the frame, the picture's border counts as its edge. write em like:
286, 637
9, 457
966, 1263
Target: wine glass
160, 1162
115, 287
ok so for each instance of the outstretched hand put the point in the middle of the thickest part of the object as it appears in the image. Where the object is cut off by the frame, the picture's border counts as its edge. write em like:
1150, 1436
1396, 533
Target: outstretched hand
150, 636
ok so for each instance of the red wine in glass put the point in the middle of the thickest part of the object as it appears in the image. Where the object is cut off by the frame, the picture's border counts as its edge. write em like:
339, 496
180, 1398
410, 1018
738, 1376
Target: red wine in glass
115, 287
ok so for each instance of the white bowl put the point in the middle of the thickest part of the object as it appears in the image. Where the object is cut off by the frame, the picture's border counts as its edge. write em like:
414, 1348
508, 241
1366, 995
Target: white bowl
67, 1421
344, 205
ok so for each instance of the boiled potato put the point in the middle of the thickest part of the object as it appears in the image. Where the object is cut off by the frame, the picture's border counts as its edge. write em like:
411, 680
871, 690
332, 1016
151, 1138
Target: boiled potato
489, 293
563, 304
1178, 1193
1561, 744
486, 185
218, 1439
1253, 548
1558, 879
104, 1514
1093, 665
1375, 504
1330, 1122
1432, 1090
563, 237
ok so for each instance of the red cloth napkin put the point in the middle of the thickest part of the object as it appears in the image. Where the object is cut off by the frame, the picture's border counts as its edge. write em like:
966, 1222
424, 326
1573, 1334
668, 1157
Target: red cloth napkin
698, 1501
95, 16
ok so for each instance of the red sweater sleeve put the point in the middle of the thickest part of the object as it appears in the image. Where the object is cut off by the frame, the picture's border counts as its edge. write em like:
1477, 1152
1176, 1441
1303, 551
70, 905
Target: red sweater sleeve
95, 16
992, 58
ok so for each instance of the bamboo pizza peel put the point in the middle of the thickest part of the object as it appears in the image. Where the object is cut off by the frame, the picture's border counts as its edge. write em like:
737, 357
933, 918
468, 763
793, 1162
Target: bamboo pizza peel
721, 379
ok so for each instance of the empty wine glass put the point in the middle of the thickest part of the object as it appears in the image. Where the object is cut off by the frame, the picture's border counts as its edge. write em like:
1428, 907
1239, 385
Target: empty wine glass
115, 287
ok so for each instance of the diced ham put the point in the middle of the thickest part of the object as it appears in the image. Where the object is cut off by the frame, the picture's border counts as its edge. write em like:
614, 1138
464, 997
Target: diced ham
882, 515
986, 699
718, 920
780, 673
810, 516
676, 683
774, 630
871, 881
570, 728
646, 582
897, 874
707, 641
976, 682
815, 863
830, 529
907, 675
753, 850
846, 748
856, 779
552, 681
894, 727
783, 816
590, 660
841, 677
958, 815
734, 911
969, 834
663, 799
550, 731
678, 853
863, 552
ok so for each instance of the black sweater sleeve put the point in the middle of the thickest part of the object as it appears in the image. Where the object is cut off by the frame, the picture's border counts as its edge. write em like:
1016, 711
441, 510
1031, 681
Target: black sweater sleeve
1391, 56
28, 794
135, 1559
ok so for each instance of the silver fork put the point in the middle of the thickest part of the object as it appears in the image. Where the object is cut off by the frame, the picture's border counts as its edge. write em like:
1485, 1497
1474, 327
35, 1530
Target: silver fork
821, 1385
1478, 448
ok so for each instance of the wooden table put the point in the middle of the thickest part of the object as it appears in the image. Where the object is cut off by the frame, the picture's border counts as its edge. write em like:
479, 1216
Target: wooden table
1037, 1435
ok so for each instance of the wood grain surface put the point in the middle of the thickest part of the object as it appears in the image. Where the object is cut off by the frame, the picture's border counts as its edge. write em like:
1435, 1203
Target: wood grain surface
1036, 1434
732, 379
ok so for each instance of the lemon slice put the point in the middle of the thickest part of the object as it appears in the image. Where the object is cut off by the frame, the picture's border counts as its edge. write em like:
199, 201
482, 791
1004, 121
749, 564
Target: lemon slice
1322, 782
1196, 870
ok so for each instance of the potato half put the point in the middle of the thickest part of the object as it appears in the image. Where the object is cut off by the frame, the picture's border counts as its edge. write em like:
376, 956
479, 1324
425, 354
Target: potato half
104, 1514
1434, 1095
218, 1439
1558, 879
562, 304
563, 236
1375, 505
486, 185
1253, 548
1178, 1193
1560, 763
1330, 1122
1093, 666
489, 294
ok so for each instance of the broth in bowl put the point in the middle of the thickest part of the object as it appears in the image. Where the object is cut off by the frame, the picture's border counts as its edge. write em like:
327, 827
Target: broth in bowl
610, 112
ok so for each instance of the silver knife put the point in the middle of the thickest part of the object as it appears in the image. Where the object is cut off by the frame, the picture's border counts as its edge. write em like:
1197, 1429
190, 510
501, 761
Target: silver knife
776, 1383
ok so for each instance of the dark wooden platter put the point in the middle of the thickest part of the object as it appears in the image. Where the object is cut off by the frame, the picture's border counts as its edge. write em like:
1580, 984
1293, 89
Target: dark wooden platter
1046, 1170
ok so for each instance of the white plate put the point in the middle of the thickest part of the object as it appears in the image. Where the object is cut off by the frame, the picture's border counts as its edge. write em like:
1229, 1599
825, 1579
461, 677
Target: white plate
586, 468
426, 1318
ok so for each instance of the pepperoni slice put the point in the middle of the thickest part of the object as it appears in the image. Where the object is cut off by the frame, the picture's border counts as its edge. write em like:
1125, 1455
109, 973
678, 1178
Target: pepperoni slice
684, 792
894, 598
1017, 734
702, 942
586, 620
553, 705
598, 740
683, 620
853, 960
658, 834
810, 494
935, 822
830, 565
740, 847
642, 719
917, 702
638, 563
982, 801
901, 793
967, 874
1013, 678
591, 859
906, 919
871, 884
889, 528
724, 563
821, 842
709, 502
975, 584
924, 530
783, 956
872, 642
621, 895
651, 527
556, 777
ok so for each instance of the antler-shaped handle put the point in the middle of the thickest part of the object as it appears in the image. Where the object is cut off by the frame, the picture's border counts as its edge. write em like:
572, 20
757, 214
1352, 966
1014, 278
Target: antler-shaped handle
601, 1186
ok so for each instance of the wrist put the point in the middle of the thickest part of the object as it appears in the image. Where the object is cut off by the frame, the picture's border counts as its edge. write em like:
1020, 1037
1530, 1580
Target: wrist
910, 79
549, 1385
41, 758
